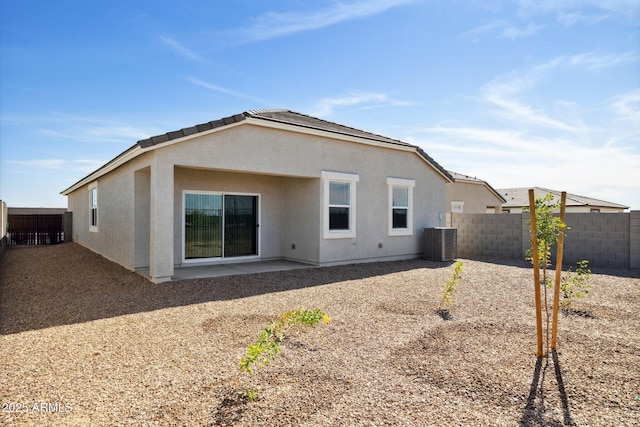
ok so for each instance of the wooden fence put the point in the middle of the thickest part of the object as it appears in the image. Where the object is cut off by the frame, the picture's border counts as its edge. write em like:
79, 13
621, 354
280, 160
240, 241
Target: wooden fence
36, 229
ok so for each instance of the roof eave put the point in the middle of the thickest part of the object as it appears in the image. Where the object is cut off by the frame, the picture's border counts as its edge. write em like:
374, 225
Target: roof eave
122, 158
250, 117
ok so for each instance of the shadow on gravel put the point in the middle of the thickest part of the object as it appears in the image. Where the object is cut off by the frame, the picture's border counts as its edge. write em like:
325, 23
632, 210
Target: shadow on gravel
617, 272
535, 413
66, 284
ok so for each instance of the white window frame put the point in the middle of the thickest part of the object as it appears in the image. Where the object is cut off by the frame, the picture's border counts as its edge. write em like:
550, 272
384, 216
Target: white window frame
457, 206
351, 179
409, 184
93, 227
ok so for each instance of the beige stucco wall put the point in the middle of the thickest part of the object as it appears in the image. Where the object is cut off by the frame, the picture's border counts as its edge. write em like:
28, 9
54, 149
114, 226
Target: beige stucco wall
280, 208
476, 197
4, 223
115, 237
573, 209
300, 157
141, 203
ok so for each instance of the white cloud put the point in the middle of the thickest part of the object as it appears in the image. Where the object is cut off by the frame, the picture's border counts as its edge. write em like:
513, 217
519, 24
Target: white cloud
628, 9
529, 140
504, 93
364, 100
569, 19
79, 128
92, 133
627, 107
226, 91
279, 24
507, 93
594, 60
502, 29
516, 159
78, 165
181, 49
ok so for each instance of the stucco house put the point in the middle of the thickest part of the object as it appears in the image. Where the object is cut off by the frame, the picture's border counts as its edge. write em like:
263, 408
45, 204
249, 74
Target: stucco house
517, 198
265, 184
472, 195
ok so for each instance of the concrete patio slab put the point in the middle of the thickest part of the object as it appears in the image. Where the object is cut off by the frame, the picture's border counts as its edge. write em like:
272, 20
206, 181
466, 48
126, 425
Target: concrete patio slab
231, 269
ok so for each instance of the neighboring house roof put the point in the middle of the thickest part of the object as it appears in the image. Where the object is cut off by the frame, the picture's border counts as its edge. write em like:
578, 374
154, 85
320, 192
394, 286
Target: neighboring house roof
519, 197
276, 117
36, 211
473, 180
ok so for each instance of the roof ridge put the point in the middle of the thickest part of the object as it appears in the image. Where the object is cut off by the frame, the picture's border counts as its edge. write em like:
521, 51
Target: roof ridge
576, 198
398, 141
266, 110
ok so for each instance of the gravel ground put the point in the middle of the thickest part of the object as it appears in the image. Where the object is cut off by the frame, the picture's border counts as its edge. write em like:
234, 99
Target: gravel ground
86, 342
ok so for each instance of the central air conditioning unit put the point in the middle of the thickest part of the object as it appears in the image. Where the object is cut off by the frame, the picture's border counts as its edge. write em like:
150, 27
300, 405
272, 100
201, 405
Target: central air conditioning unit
441, 243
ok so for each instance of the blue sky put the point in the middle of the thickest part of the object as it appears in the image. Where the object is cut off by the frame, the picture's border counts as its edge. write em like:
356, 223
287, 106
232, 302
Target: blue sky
518, 93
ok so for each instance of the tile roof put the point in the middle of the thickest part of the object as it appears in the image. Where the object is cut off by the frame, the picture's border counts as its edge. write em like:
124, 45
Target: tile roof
291, 118
274, 115
519, 197
286, 117
462, 178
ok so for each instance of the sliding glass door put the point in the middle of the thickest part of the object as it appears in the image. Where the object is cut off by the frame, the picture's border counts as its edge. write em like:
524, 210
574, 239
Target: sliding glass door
218, 225
202, 226
240, 225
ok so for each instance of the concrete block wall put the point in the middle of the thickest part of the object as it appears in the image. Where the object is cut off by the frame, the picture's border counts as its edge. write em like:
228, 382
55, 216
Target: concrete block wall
605, 239
488, 235
634, 239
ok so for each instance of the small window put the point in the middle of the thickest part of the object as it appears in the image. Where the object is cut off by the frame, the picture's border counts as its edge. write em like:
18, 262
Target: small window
594, 210
457, 206
340, 204
400, 206
93, 207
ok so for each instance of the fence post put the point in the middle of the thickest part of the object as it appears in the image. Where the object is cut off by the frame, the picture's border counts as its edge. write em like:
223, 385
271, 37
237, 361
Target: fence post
536, 270
68, 227
634, 239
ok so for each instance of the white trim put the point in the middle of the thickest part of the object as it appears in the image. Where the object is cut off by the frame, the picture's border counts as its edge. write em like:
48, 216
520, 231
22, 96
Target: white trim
351, 179
94, 228
457, 206
136, 150
123, 158
340, 176
401, 182
221, 259
409, 184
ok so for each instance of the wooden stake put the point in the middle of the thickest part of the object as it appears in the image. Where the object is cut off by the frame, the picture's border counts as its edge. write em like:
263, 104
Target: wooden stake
556, 286
536, 268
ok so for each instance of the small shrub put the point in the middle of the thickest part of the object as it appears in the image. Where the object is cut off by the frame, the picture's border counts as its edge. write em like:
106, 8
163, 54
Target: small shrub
253, 395
576, 285
266, 348
450, 286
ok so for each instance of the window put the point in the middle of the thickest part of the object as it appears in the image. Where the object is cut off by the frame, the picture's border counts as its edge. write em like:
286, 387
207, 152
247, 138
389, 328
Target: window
400, 206
219, 225
457, 206
93, 207
339, 204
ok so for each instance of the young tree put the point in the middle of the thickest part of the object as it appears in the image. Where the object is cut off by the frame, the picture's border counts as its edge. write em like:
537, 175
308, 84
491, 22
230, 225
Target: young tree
548, 229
